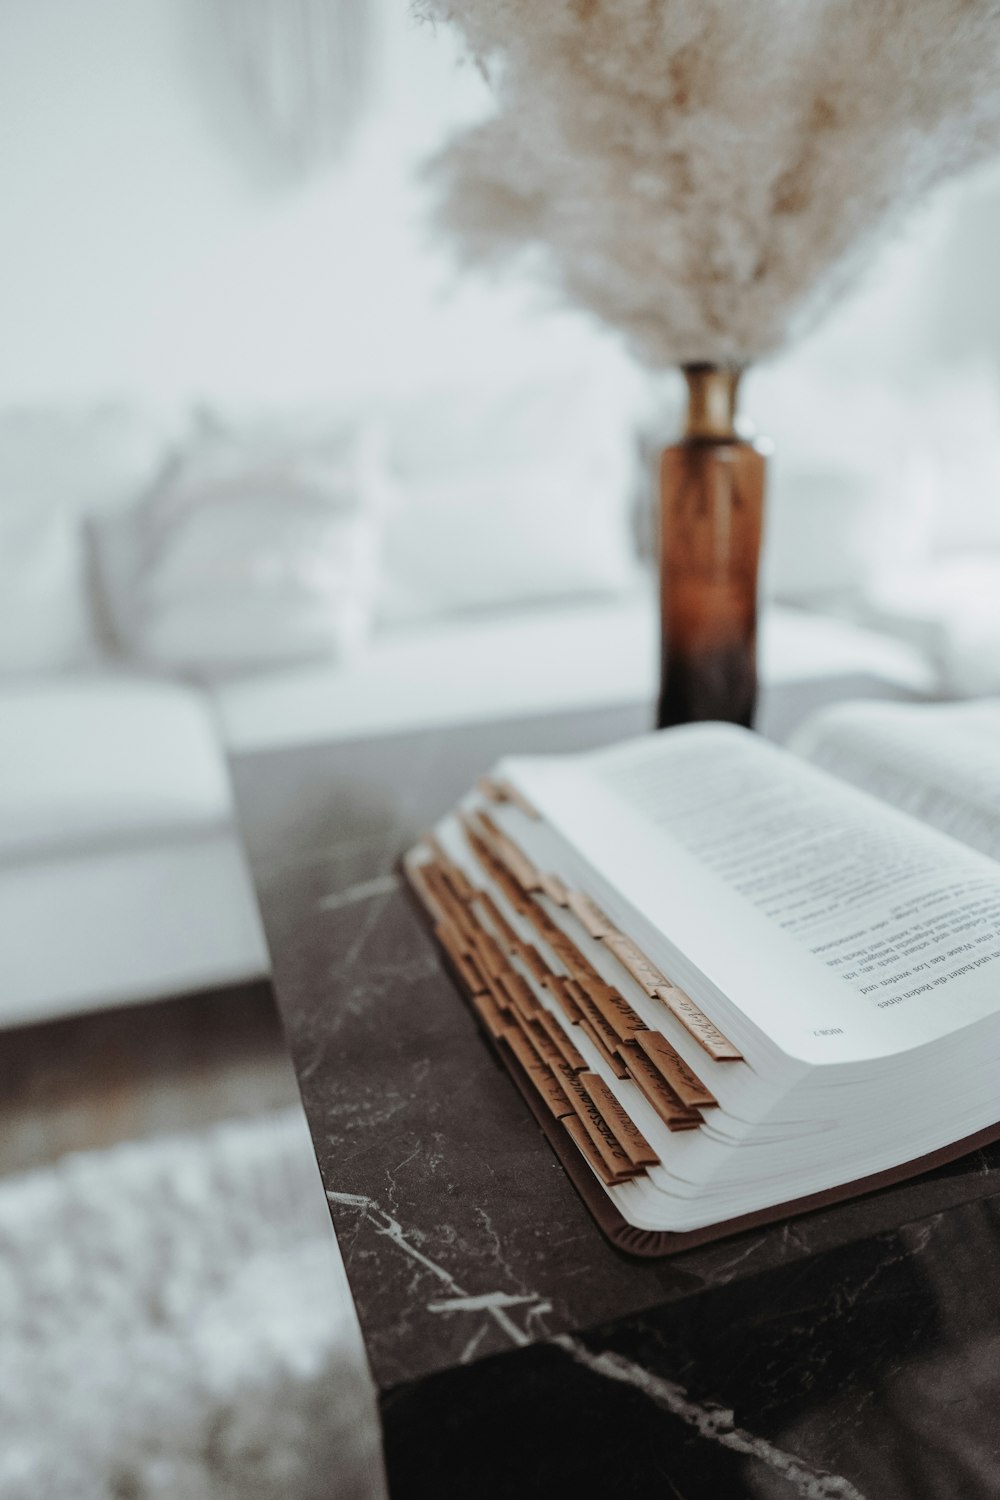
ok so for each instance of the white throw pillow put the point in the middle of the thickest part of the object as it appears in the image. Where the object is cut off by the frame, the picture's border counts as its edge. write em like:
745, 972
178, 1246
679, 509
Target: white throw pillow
951, 611
510, 496
259, 547
958, 422
848, 489
870, 483
56, 466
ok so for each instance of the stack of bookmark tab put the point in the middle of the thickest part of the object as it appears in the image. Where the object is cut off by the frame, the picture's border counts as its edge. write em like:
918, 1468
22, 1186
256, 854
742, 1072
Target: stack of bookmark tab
512, 933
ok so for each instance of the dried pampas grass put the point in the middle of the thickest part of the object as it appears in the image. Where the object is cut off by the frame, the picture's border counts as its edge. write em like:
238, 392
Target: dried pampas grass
706, 175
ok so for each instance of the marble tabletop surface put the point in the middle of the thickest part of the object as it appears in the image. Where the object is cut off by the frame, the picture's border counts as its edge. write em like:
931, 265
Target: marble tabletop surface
853, 1351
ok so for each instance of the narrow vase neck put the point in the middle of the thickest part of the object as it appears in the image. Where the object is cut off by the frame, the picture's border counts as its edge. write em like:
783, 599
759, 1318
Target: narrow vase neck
712, 394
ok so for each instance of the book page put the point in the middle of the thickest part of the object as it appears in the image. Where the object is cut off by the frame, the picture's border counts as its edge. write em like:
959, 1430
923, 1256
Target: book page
938, 762
732, 846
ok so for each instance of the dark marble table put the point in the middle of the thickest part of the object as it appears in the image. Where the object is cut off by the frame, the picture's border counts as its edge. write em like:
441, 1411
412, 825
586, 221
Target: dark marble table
851, 1352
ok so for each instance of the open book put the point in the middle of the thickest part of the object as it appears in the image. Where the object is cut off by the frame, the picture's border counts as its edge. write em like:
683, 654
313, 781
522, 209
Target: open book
733, 984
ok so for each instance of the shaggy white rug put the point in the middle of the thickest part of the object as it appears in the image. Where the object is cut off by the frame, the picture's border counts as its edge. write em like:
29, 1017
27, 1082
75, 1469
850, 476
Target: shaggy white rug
175, 1322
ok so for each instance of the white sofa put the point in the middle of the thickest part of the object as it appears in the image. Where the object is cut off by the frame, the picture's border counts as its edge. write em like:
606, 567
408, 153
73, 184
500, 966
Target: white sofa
532, 661
121, 874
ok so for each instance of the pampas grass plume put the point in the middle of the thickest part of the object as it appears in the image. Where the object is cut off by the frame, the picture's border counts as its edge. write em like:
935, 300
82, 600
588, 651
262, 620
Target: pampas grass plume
707, 175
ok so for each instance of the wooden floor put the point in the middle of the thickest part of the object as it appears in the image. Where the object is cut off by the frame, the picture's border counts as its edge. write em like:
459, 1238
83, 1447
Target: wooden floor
178, 1064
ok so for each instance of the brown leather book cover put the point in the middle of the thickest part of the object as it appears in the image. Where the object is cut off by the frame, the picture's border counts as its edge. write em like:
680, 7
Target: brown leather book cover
653, 1242
661, 1242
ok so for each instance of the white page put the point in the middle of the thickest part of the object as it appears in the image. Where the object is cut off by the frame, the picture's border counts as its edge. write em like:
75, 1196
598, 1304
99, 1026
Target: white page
840, 928
938, 762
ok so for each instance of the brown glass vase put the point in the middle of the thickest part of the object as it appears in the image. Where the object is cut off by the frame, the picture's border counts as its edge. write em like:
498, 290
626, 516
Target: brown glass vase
711, 511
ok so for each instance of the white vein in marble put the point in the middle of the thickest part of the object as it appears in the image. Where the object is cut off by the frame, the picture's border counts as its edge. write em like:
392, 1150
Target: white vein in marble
714, 1423
385, 1224
365, 890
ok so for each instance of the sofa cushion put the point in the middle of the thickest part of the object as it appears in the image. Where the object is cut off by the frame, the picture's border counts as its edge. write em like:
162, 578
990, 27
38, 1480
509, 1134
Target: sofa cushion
90, 761
89, 929
258, 547
537, 661
511, 496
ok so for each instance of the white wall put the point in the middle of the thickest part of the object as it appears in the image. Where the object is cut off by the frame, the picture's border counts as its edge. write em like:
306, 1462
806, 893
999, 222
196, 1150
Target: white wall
147, 246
